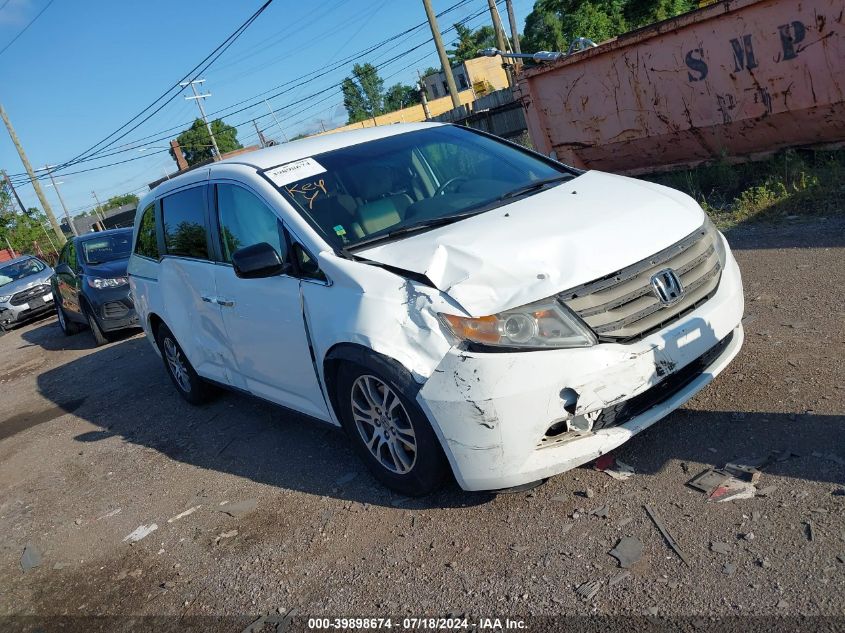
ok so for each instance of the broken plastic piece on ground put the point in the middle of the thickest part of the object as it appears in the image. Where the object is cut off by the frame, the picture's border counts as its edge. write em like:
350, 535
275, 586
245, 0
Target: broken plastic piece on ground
721, 548
628, 551
31, 557
733, 489
611, 466
622, 575
588, 589
708, 480
240, 508
743, 470
665, 532
140, 532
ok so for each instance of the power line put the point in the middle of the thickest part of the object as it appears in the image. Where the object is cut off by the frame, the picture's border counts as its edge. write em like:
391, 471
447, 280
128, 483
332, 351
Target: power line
24, 29
134, 144
210, 58
91, 153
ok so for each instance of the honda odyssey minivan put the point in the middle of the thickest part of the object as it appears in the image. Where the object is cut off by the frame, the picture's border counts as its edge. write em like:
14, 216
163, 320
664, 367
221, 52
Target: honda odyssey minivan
455, 302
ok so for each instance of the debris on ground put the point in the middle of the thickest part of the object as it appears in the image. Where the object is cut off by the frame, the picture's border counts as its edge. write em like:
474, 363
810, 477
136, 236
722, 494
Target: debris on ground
708, 480
589, 493
622, 575
183, 514
748, 536
609, 465
666, 534
589, 589
601, 512
239, 509
110, 514
729, 569
223, 535
628, 551
623, 522
767, 491
733, 489
808, 530
140, 532
745, 470
721, 548
31, 557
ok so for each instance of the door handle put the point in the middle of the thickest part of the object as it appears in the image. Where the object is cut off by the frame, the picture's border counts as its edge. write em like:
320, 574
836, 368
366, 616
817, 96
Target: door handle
209, 299
225, 302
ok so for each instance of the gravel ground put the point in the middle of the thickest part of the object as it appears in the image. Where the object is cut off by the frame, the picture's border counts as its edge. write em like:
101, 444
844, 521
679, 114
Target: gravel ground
95, 443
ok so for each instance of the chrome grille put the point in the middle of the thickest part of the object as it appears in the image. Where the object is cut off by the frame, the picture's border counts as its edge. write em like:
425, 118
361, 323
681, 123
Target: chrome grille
24, 296
623, 306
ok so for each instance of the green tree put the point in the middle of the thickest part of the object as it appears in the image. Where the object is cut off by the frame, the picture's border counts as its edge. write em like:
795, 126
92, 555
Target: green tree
431, 70
363, 93
22, 231
553, 24
400, 96
469, 42
196, 144
118, 201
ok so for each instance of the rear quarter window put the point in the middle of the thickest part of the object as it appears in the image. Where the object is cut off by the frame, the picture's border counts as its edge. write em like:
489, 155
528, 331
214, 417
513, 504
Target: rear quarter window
147, 244
184, 220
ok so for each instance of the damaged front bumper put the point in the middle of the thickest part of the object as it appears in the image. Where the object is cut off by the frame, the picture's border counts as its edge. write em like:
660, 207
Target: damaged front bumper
506, 419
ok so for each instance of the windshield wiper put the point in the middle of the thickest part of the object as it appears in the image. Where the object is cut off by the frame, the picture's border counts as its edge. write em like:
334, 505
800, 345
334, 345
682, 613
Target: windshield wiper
533, 186
414, 228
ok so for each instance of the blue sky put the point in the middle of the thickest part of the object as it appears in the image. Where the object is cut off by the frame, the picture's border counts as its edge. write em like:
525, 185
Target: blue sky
85, 67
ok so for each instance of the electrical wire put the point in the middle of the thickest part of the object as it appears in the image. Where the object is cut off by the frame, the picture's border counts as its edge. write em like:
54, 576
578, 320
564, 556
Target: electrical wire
24, 29
133, 144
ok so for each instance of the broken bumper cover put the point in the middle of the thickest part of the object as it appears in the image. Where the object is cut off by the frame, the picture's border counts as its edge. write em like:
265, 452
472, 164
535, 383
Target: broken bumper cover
492, 411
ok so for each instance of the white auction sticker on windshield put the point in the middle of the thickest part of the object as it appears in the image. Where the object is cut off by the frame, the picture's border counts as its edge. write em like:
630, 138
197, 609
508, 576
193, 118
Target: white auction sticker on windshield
297, 170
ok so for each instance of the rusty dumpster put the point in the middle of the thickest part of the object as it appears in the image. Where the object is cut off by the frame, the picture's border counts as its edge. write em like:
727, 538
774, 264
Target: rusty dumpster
732, 80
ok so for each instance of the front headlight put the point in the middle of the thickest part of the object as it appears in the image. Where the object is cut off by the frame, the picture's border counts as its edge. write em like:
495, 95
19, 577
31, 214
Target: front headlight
718, 241
101, 283
5, 298
545, 323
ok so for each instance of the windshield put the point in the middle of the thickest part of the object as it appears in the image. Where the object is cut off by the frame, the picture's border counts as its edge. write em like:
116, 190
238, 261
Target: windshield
107, 248
397, 185
19, 270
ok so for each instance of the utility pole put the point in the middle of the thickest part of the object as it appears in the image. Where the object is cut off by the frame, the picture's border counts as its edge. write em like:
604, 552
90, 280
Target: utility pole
423, 97
198, 97
57, 229
514, 33
62, 201
441, 53
260, 135
278, 125
500, 39
23, 209
98, 213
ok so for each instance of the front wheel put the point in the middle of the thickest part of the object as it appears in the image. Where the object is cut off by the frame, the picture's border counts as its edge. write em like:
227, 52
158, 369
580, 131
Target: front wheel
388, 429
65, 324
188, 383
96, 331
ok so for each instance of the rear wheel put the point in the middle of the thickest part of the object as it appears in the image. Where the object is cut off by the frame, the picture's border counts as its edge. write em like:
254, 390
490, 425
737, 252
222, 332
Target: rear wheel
389, 430
188, 383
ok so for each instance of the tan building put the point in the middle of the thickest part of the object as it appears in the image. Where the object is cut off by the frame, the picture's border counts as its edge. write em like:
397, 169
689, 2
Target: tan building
482, 75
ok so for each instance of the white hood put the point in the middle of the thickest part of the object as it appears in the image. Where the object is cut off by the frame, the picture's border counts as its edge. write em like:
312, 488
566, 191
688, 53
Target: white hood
536, 247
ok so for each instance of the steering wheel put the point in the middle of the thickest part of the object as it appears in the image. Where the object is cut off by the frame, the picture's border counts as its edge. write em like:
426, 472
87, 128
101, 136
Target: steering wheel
442, 188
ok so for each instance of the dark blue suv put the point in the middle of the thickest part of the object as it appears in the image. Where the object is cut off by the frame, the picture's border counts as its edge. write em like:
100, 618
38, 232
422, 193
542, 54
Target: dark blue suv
90, 286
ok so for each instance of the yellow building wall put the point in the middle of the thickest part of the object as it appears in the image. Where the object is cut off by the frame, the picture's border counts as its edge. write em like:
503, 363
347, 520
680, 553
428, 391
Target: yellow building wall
487, 69
412, 114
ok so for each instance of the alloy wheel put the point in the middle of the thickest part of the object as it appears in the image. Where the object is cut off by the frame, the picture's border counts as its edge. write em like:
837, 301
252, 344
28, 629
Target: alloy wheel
176, 363
383, 424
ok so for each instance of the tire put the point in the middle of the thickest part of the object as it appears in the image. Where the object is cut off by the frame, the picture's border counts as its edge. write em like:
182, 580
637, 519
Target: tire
187, 382
100, 338
388, 430
67, 326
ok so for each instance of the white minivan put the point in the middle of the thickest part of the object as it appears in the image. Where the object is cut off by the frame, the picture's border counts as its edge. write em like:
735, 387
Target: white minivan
455, 302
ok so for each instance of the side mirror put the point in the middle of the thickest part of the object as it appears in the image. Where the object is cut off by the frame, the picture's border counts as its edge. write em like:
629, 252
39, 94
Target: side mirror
63, 269
259, 260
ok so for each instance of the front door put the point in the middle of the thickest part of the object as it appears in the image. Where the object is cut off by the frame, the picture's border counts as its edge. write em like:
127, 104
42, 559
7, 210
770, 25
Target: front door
68, 282
263, 318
